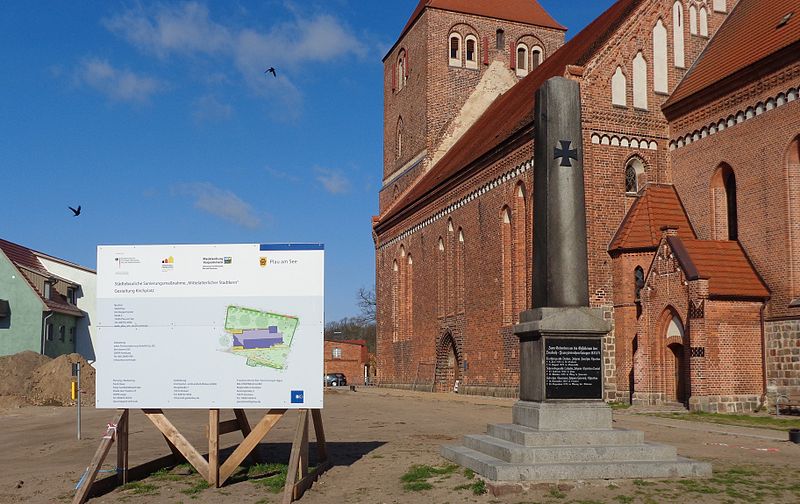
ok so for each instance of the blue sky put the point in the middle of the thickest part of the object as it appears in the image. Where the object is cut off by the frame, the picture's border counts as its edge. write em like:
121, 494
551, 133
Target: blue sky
157, 118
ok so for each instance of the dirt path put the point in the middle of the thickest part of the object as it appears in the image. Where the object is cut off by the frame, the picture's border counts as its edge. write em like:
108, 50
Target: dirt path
375, 436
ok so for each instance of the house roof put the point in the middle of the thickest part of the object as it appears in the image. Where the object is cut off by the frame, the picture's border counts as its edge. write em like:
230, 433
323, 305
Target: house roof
513, 110
521, 11
724, 263
751, 33
26, 261
658, 207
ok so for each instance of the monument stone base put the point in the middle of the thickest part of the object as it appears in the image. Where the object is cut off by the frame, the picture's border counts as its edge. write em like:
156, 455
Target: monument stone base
567, 441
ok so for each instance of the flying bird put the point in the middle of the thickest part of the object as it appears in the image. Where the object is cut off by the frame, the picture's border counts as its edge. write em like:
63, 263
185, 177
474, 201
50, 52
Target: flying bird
272, 71
76, 211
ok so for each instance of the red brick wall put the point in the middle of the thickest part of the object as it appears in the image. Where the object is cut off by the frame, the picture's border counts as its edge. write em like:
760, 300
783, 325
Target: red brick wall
351, 362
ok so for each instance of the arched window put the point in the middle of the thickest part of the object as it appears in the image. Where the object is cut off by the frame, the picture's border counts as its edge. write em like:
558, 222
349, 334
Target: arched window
522, 60
693, 19
537, 56
634, 173
399, 150
703, 22
395, 300
660, 65
440, 278
793, 187
501, 39
638, 282
471, 44
719, 6
619, 88
506, 260
723, 200
677, 34
455, 49
402, 70
451, 282
409, 301
640, 82
519, 267
460, 260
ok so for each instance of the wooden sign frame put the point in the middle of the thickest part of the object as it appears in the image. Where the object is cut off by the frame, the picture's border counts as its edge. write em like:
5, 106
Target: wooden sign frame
298, 478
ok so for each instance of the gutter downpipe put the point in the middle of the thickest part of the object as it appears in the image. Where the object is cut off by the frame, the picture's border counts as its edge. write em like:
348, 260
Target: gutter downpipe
44, 328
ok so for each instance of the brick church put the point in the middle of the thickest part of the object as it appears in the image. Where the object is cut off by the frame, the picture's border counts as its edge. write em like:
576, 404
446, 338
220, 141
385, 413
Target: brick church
691, 148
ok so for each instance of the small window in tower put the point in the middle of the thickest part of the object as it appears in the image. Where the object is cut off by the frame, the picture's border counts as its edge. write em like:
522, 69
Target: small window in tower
536, 57
472, 51
634, 172
638, 282
455, 50
522, 60
501, 39
402, 71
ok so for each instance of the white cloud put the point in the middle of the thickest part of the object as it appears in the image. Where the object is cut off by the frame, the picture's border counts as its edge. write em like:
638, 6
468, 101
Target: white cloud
208, 108
182, 29
118, 84
332, 180
189, 30
221, 203
281, 175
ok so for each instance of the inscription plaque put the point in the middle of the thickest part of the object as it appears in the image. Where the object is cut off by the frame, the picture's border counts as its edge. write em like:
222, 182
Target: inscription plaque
573, 368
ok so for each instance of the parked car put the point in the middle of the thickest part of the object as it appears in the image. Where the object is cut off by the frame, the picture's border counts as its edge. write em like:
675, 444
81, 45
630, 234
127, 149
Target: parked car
335, 380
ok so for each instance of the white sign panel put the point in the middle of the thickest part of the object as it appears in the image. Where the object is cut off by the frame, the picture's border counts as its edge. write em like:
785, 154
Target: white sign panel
210, 326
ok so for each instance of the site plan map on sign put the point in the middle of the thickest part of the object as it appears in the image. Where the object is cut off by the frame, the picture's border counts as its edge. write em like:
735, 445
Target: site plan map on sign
264, 338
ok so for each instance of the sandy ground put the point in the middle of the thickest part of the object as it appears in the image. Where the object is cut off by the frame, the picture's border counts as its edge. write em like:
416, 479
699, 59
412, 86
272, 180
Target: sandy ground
374, 437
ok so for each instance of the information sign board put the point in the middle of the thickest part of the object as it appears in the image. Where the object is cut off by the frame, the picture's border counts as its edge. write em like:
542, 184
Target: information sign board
210, 326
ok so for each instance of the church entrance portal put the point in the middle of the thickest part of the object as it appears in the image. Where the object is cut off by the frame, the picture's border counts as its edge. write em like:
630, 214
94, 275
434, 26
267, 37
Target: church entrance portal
448, 364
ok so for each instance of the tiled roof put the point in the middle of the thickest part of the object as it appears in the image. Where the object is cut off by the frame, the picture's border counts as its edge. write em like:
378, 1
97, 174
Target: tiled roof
522, 11
724, 263
26, 261
748, 35
513, 110
659, 206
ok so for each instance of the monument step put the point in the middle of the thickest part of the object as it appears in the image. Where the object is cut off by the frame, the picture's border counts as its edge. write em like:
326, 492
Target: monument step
515, 453
499, 470
527, 436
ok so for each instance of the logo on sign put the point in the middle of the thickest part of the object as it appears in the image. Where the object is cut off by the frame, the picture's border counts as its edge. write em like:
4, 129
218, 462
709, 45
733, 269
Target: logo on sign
297, 397
262, 262
167, 263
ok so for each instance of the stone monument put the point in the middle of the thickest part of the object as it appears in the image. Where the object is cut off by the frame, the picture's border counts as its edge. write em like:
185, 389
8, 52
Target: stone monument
562, 428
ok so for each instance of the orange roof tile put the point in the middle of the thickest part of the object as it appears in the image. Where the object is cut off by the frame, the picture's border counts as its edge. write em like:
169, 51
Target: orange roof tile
724, 263
659, 206
513, 110
522, 11
750, 34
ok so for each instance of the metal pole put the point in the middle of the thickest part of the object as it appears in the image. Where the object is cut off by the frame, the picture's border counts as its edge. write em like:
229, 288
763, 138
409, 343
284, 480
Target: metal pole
79, 400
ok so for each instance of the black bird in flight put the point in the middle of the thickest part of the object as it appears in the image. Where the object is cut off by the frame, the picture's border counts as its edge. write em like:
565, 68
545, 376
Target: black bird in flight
272, 71
76, 211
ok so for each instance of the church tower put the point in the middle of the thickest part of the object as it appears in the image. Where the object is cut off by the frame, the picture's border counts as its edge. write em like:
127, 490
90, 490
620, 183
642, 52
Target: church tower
452, 59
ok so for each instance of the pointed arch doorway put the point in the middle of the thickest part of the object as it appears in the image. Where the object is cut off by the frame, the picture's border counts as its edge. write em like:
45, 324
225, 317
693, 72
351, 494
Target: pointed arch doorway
676, 369
448, 363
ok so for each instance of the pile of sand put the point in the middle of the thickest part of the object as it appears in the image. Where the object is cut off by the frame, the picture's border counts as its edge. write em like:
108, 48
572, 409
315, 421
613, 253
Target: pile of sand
31, 378
16, 372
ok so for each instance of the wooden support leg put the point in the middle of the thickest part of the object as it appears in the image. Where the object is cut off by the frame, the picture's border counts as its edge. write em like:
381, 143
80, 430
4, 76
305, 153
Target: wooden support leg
251, 441
298, 458
97, 461
213, 448
123, 428
319, 433
256, 455
176, 438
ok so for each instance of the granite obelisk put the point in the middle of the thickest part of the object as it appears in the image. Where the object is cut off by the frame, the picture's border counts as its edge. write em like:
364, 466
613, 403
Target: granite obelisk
562, 428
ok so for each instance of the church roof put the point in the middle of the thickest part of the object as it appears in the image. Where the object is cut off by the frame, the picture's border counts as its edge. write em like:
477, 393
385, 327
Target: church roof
753, 31
521, 11
513, 110
658, 207
724, 263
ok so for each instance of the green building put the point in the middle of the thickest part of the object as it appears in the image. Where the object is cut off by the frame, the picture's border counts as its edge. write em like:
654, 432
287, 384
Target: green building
38, 309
